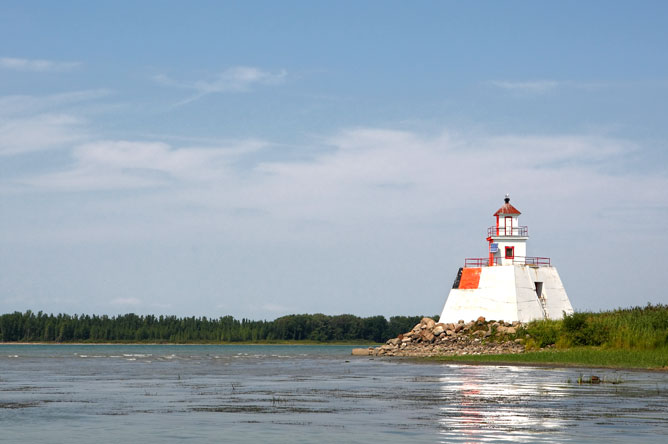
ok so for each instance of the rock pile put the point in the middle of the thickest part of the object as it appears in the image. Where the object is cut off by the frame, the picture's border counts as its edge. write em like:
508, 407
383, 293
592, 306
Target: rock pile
429, 338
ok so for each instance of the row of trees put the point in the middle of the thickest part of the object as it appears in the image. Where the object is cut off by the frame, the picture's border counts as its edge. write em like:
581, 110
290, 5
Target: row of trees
40, 327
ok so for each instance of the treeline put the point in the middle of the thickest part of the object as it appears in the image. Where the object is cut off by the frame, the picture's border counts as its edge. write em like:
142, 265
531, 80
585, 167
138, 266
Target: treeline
40, 327
636, 328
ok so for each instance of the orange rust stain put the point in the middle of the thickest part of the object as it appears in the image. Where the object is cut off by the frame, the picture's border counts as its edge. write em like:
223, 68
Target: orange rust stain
470, 278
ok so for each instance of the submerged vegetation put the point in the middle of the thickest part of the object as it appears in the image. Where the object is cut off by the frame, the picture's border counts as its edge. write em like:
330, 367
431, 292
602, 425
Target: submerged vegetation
40, 327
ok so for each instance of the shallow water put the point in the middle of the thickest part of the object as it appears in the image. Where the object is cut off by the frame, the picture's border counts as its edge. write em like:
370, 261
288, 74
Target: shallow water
167, 393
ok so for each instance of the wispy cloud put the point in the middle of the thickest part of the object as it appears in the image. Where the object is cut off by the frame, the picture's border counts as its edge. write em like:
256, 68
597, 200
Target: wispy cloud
36, 65
363, 167
39, 132
110, 164
532, 87
233, 80
367, 175
13, 105
30, 123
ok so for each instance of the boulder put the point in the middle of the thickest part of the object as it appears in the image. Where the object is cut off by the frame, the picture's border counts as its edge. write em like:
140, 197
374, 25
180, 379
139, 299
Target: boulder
480, 320
362, 352
428, 322
440, 328
426, 336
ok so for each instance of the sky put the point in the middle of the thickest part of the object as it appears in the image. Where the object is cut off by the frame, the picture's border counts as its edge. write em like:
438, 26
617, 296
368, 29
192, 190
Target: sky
261, 158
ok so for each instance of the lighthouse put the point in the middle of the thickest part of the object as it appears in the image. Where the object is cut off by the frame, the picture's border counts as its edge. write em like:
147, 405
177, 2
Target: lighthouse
507, 284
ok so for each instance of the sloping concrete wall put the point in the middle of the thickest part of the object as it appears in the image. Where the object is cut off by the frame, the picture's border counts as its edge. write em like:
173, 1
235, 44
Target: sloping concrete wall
509, 293
529, 307
494, 298
556, 299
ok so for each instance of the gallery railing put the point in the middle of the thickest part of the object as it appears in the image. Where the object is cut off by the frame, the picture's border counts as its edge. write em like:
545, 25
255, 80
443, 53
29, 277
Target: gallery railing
495, 231
476, 262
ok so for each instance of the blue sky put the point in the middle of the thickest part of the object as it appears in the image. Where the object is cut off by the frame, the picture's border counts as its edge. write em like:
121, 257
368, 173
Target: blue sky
265, 158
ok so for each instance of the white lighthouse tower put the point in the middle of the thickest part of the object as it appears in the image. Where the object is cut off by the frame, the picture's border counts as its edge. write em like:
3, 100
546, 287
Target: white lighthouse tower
507, 285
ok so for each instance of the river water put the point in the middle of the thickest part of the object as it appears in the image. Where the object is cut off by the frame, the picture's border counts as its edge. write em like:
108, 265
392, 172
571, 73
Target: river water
286, 394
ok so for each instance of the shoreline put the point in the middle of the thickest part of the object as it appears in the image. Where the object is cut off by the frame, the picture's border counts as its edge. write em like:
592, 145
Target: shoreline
287, 344
473, 360
483, 342
445, 360
456, 360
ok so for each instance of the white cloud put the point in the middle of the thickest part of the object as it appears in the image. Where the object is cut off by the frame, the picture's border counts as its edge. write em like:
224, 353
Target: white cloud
532, 87
38, 133
36, 65
16, 105
373, 213
401, 174
371, 182
233, 80
30, 123
108, 165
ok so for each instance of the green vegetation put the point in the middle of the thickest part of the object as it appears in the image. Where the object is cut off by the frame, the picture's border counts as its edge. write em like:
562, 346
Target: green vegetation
578, 356
638, 328
40, 327
634, 337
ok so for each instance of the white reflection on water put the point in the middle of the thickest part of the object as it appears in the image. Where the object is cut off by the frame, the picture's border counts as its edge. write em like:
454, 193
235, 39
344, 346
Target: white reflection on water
528, 404
284, 394
482, 407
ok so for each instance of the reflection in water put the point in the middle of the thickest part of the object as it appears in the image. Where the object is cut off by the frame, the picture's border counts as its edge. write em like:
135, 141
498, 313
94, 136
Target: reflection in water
524, 404
284, 394
516, 407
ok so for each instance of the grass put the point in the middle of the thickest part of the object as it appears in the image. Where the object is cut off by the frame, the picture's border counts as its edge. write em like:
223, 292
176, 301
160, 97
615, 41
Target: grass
637, 328
624, 338
577, 356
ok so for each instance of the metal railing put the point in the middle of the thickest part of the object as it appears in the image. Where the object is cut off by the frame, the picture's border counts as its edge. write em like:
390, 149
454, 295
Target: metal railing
537, 261
477, 262
494, 231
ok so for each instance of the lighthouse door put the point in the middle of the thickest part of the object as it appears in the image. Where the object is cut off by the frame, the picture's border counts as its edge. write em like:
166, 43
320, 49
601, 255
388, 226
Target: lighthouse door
509, 226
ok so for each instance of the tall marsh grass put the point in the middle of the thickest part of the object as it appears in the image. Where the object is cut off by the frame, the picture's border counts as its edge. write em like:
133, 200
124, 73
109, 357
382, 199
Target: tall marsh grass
637, 328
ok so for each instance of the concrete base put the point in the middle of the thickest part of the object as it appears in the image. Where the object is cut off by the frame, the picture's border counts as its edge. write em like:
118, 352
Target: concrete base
509, 293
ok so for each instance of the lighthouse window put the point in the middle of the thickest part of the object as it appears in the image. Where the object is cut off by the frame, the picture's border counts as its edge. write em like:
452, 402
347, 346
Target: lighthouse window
510, 252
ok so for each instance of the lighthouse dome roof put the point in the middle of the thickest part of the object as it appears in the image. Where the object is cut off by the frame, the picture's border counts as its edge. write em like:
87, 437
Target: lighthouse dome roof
506, 208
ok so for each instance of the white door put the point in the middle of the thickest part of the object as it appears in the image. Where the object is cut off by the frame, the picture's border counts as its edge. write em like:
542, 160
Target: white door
509, 226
